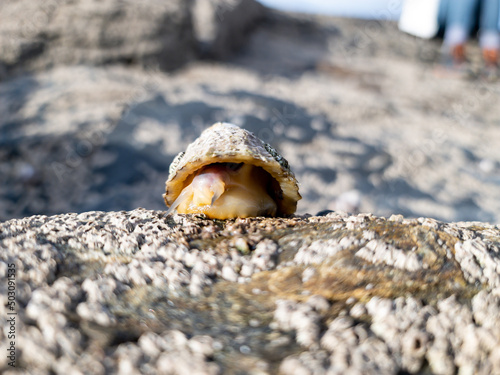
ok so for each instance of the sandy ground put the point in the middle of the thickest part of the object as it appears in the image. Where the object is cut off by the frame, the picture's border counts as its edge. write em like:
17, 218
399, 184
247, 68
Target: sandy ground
360, 110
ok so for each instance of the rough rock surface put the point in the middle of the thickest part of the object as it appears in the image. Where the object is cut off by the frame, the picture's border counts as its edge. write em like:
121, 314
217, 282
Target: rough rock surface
142, 292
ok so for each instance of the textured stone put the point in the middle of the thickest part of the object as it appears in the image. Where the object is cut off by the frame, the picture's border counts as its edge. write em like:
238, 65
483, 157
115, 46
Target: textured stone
144, 292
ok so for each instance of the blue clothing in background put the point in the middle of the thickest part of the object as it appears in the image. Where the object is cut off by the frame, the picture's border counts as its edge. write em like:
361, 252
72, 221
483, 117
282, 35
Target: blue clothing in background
489, 17
459, 17
460, 13
466, 10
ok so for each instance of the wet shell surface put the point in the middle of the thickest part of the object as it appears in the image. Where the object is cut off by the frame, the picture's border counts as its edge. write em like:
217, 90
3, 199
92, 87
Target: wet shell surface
228, 172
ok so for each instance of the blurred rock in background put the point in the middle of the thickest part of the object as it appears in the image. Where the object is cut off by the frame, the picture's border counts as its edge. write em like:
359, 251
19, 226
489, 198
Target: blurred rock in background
96, 98
221, 26
40, 35
164, 34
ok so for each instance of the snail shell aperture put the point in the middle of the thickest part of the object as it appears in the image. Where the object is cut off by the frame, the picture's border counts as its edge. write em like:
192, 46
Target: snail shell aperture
228, 172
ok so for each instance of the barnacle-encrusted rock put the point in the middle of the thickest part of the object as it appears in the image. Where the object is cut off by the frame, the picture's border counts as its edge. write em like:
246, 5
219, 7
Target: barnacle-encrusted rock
228, 172
146, 292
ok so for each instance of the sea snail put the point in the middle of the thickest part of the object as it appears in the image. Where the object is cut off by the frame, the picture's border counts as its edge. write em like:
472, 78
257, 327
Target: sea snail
228, 172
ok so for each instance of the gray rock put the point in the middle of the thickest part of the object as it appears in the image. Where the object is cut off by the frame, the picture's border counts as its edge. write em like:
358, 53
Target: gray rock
38, 35
221, 26
151, 34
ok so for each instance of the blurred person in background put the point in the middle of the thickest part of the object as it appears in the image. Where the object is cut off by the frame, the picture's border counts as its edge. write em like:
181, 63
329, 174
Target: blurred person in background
460, 18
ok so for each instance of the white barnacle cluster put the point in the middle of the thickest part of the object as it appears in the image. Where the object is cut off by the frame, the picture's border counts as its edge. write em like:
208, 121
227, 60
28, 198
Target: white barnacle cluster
175, 266
401, 324
264, 257
357, 222
304, 318
379, 252
353, 347
480, 262
170, 352
147, 252
319, 250
172, 266
450, 337
93, 307
343, 348
403, 334
48, 307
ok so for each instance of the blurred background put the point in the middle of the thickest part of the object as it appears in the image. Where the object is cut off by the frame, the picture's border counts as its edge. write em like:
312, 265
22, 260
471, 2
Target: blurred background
369, 9
96, 99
